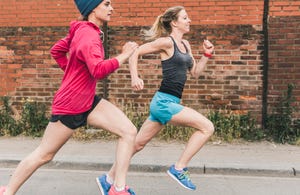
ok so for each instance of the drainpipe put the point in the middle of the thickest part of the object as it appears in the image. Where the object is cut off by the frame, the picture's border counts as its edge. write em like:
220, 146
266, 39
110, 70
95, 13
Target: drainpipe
265, 64
105, 45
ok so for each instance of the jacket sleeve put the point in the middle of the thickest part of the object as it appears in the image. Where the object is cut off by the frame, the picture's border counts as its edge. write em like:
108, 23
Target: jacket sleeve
92, 53
59, 52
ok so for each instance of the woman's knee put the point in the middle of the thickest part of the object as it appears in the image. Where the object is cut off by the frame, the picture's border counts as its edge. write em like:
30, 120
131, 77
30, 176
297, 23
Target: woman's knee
44, 157
129, 132
207, 128
47, 157
210, 128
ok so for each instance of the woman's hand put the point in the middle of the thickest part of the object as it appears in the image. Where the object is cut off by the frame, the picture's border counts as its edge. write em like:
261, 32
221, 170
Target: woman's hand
208, 47
137, 84
129, 48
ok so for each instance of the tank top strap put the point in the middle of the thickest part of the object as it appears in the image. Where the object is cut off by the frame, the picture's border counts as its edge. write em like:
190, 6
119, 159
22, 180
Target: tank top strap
176, 47
186, 48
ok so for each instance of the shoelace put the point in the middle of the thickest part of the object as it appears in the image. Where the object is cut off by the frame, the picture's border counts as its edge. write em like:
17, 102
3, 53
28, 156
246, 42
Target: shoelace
185, 175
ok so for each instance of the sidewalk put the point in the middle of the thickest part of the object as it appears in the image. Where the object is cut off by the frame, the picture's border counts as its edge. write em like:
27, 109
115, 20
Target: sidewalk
262, 158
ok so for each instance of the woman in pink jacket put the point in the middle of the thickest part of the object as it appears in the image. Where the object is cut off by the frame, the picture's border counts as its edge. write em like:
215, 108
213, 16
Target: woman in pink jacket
75, 103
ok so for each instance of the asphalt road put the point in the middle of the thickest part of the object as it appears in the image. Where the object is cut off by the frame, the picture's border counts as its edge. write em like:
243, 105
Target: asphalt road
82, 182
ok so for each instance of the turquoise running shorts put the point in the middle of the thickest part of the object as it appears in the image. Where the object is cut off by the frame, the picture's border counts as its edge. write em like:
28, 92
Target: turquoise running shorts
163, 106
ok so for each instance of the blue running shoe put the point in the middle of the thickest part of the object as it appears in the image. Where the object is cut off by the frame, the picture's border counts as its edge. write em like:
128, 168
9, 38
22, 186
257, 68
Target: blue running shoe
103, 185
131, 192
182, 177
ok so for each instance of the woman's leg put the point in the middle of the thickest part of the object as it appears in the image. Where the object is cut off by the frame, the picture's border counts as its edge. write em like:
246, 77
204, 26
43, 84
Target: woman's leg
205, 129
148, 130
55, 136
107, 116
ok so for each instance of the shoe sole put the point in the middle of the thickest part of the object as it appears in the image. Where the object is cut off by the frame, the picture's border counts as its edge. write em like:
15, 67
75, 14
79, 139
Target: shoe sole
174, 178
100, 186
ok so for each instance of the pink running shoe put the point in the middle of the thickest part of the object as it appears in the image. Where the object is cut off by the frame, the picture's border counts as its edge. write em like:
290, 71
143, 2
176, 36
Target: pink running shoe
126, 191
2, 190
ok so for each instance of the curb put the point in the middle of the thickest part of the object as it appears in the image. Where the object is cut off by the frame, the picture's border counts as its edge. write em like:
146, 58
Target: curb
67, 165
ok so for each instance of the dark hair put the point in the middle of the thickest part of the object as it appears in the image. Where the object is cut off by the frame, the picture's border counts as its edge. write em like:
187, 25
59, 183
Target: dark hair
82, 18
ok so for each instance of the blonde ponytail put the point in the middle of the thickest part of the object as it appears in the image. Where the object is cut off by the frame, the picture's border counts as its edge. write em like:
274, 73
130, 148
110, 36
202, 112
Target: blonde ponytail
162, 24
157, 30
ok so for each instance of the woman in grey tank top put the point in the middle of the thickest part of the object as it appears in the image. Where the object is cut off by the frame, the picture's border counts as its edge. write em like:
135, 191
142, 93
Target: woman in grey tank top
177, 60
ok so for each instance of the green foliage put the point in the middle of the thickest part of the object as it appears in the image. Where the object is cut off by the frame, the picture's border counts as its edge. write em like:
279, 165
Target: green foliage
233, 126
8, 124
136, 114
88, 133
281, 127
32, 120
170, 132
280, 124
249, 128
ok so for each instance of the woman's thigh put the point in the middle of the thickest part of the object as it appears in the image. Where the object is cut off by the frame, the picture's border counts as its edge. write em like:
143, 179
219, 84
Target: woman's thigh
191, 118
109, 117
55, 136
148, 130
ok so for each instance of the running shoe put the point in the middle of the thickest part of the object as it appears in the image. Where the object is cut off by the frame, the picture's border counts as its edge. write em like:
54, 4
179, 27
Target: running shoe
131, 192
2, 190
126, 191
182, 177
103, 185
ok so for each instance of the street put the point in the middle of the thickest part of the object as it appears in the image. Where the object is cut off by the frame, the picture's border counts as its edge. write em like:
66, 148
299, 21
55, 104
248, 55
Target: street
82, 182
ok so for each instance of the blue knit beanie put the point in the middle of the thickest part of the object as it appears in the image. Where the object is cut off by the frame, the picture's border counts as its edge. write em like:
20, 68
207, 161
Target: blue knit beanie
87, 6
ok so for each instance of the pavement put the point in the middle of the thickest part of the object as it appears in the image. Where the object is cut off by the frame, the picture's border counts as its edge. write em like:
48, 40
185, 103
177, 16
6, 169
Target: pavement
243, 158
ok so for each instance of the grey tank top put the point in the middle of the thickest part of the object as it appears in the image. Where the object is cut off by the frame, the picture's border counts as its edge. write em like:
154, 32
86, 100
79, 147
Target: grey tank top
175, 71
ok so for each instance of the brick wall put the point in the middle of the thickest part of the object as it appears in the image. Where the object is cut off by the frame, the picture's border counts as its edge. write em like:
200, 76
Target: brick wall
284, 52
233, 78
131, 12
280, 8
284, 59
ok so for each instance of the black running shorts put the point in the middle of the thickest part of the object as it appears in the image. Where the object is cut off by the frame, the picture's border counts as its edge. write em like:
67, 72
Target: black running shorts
75, 121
